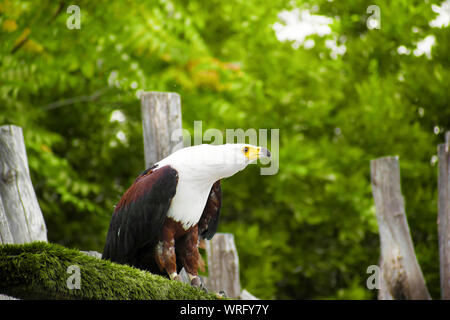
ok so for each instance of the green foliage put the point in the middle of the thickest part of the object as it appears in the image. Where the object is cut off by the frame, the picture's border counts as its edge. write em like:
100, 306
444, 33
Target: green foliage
40, 270
307, 232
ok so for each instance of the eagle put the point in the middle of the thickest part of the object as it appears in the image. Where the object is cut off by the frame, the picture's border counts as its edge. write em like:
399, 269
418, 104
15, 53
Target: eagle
159, 220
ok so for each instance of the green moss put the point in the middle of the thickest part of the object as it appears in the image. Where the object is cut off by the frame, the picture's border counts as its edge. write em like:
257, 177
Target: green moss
39, 270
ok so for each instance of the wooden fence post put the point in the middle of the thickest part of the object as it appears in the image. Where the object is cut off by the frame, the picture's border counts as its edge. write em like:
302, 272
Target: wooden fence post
223, 265
161, 118
444, 215
21, 218
5, 232
401, 275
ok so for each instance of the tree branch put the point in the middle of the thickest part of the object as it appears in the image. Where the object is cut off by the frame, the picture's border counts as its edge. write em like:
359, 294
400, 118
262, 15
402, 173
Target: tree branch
85, 98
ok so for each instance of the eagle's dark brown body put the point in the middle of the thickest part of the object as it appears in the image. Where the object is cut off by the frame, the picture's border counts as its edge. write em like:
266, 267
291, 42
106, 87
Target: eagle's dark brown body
160, 218
142, 235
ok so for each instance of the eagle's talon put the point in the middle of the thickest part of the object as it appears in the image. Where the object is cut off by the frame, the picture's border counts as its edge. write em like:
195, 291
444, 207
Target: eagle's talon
177, 278
196, 282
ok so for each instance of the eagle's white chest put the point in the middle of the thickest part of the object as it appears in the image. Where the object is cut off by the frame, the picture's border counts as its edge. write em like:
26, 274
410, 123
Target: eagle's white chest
189, 202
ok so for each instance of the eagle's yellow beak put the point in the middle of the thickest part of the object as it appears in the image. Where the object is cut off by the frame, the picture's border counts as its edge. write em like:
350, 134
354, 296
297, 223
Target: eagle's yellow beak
253, 153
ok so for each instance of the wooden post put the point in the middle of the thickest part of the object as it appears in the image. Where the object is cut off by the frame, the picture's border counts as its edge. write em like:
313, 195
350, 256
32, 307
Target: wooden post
161, 119
5, 233
400, 271
223, 265
20, 208
444, 215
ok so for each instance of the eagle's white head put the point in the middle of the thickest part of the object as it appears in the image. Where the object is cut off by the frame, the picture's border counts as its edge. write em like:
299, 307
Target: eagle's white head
213, 162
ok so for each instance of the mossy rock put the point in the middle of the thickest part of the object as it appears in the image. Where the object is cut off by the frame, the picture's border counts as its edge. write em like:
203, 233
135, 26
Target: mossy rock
39, 270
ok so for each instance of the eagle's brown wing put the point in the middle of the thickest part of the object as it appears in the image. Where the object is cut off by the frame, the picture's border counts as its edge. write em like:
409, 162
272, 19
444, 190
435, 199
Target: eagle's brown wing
207, 226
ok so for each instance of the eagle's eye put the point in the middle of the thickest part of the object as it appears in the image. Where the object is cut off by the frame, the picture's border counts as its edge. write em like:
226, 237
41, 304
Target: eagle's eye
245, 150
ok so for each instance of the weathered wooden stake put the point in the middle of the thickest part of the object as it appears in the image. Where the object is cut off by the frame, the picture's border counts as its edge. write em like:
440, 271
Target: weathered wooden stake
5, 233
223, 265
401, 275
161, 120
444, 215
21, 218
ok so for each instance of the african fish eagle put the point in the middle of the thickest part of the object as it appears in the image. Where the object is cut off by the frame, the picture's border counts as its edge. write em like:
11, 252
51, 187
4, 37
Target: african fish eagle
157, 223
